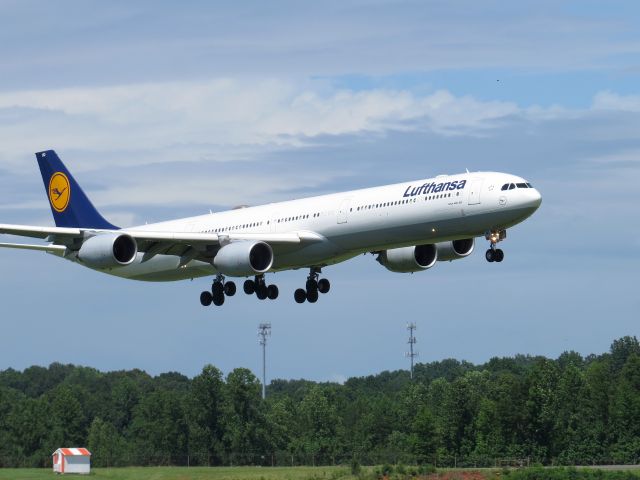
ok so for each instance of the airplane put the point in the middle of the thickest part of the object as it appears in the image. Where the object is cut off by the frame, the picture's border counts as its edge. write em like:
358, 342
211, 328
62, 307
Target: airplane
408, 226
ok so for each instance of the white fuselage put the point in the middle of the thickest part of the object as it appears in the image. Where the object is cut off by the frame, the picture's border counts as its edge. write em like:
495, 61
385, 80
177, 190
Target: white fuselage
355, 222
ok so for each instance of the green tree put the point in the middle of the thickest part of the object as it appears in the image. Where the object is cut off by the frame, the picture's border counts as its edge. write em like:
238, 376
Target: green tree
159, 429
108, 448
318, 422
245, 432
423, 439
205, 414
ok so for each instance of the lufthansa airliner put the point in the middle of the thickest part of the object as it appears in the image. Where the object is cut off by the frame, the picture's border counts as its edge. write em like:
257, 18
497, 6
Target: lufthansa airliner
408, 226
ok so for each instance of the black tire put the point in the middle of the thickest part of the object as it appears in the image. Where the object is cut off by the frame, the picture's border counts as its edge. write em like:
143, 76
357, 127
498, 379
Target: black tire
249, 287
324, 286
499, 255
218, 300
261, 292
490, 255
206, 298
312, 285
312, 296
272, 292
217, 289
229, 289
300, 295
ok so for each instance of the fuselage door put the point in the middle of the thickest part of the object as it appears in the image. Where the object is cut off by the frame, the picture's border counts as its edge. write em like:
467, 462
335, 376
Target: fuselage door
344, 210
474, 191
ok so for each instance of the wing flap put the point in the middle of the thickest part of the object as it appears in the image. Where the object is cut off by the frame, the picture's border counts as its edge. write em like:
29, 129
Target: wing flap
187, 238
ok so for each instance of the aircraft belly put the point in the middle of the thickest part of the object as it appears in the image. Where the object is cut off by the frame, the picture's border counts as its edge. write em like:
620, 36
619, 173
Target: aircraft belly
163, 268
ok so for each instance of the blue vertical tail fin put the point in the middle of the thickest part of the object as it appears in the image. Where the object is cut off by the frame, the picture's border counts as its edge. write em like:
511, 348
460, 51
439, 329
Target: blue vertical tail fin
69, 204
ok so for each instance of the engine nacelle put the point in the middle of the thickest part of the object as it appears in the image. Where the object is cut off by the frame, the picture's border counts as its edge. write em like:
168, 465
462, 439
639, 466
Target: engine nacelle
108, 250
455, 249
244, 258
409, 259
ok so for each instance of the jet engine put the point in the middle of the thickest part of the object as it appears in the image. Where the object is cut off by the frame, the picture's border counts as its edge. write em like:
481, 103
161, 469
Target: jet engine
455, 249
108, 250
409, 259
244, 258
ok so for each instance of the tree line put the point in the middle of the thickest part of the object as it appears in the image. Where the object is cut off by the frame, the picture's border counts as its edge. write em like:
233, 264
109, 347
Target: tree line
569, 410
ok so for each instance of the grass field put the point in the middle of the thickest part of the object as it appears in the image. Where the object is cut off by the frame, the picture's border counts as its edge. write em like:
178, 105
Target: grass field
194, 473
325, 473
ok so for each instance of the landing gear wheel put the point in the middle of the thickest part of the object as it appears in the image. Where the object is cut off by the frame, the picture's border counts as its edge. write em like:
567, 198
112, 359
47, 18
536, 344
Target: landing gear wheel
272, 292
206, 298
498, 255
312, 296
229, 289
490, 255
218, 300
300, 295
324, 286
312, 285
261, 291
249, 287
217, 289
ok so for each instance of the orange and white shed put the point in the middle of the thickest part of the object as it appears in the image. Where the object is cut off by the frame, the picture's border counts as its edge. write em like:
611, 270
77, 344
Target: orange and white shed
71, 460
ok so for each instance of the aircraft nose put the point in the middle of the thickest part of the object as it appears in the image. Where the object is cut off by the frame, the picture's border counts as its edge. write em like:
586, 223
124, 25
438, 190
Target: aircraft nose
534, 199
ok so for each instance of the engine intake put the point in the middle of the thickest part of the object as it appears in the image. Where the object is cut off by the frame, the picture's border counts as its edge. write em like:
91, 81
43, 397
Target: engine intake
455, 249
244, 258
108, 250
409, 259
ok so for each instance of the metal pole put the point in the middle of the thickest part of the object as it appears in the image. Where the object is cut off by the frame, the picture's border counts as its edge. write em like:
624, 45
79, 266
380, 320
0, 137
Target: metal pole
264, 370
412, 341
264, 331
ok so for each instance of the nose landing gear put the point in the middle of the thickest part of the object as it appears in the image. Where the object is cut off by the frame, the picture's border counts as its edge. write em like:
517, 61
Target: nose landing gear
314, 286
219, 289
495, 254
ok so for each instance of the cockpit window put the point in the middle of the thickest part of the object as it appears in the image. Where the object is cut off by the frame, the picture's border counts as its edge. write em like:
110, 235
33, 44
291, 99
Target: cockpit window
512, 186
529, 185
505, 187
522, 185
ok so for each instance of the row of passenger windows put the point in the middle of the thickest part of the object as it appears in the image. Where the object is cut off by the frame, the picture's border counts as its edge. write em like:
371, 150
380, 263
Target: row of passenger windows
511, 186
387, 204
363, 207
259, 224
297, 217
235, 227
403, 202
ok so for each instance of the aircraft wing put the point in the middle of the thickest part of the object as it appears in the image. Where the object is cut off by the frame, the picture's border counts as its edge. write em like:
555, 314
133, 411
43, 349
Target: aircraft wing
57, 249
38, 232
183, 244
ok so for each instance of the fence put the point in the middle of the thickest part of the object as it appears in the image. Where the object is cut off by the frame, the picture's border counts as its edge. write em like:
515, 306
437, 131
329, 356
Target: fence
286, 458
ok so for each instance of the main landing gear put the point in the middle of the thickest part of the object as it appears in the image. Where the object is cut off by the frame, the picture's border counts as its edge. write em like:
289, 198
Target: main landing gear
314, 286
260, 288
219, 290
495, 254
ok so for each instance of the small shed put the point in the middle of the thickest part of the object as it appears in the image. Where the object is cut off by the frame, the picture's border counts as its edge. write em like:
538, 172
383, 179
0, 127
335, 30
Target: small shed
71, 460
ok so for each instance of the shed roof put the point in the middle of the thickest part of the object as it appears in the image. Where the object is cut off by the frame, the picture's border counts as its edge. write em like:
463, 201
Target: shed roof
70, 452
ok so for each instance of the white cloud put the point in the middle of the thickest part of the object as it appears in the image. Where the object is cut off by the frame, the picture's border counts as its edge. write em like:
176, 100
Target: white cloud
607, 100
223, 115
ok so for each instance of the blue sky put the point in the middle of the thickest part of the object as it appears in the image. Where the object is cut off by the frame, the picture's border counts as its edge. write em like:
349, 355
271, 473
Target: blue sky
222, 104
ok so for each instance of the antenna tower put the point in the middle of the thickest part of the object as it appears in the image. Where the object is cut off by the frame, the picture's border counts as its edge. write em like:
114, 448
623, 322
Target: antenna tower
412, 341
264, 331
